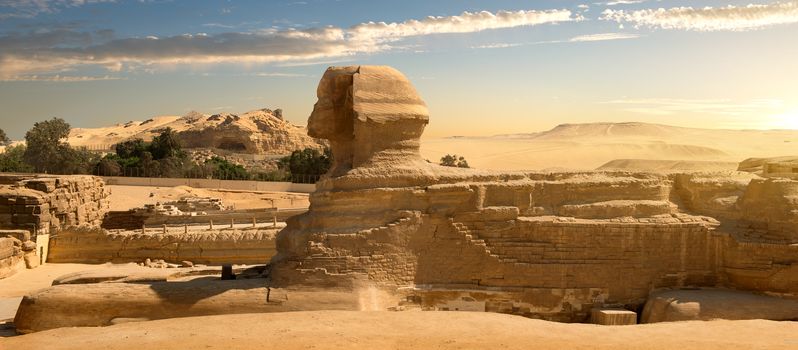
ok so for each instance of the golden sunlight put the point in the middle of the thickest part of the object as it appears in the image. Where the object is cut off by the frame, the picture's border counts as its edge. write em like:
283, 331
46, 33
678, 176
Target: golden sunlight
786, 120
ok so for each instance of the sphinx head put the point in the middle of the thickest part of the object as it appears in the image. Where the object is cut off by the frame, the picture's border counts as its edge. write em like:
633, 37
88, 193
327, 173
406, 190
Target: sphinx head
370, 114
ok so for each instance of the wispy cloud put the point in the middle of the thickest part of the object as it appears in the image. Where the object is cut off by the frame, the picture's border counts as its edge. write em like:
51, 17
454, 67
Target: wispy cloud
671, 106
32, 8
279, 75
37, 53
620, 2
576, 39
603, 37
496, 45
729, 18
60, 78
466, 22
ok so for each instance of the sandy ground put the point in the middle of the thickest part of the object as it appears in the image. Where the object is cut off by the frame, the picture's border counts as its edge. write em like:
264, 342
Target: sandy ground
13, 288
407, 330
128, 197
41, 277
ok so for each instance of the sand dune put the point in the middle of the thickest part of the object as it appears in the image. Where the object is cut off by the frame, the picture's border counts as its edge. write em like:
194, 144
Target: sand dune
588, 146
668, 165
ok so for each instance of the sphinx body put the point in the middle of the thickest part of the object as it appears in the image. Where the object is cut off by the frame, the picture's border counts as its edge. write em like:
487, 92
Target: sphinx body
551, 245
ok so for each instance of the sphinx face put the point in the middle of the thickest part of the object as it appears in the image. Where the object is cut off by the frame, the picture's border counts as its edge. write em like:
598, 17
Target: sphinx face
332, 114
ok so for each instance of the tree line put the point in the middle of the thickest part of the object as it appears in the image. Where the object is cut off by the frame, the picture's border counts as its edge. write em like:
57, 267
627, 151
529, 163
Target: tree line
46, 151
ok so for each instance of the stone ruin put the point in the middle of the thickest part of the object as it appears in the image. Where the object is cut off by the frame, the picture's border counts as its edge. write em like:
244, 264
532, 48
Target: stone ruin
387, 229
33, 206
778, 167
544, 245
42, 203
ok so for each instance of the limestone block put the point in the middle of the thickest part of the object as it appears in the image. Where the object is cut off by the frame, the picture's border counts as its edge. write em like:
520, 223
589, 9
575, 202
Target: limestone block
613, 317
709, 304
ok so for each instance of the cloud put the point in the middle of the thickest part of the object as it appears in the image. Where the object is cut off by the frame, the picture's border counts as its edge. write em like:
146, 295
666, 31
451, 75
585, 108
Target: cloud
32, 8
496, 46
671, 106
603, 37
729, 18
620, 2
467, 22
59, 78
279, 75
54, 52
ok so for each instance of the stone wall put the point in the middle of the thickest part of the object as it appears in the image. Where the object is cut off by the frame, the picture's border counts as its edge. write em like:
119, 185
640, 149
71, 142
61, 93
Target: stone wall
44, 203
212, 247
17, 252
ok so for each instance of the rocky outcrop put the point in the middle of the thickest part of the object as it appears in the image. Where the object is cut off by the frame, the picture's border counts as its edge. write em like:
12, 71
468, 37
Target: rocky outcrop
785, 167
711, 304
258, 132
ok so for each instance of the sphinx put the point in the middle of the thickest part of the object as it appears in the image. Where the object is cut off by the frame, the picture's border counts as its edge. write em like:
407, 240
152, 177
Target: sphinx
550, 245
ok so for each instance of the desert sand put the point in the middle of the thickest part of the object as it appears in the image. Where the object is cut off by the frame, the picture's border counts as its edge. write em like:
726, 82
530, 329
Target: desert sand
129, 197
589, 146
406, 330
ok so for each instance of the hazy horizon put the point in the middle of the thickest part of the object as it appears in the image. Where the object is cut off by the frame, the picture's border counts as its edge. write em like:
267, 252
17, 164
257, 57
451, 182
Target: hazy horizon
484, 68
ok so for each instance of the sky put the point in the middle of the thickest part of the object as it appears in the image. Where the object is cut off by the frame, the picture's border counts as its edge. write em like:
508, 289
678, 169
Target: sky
483, 67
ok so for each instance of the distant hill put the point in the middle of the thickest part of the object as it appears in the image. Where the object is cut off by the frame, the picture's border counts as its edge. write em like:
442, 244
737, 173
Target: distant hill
261, 131
592, 145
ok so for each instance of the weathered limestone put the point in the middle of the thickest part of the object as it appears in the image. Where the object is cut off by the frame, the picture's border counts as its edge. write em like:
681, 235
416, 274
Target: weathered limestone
778, 167
18, 251
212, 247
551, 245
100, 304
44, 203
613, 317
709, 304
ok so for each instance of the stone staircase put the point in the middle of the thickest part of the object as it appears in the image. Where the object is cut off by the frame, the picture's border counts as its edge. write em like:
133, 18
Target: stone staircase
510, 250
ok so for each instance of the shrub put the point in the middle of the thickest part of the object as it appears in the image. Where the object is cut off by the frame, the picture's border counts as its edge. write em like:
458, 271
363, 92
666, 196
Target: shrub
453, 160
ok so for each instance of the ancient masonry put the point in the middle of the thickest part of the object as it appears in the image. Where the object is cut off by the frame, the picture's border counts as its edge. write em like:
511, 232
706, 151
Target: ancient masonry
212, 247
33, 206
42, 204
548, 245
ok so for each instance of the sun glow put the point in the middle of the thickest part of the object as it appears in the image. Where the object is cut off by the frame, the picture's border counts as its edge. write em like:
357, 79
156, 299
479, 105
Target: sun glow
786, 120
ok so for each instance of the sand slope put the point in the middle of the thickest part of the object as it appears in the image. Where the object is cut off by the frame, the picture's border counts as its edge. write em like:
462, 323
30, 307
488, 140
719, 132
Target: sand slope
588, 146
407, 330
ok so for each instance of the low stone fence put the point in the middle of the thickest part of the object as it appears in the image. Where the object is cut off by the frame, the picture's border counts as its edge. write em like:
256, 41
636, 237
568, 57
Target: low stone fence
211, 247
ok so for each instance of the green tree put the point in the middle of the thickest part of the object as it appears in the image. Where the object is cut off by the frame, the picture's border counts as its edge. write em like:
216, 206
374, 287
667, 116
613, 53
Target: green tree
308, 161
76, 161
131, 148
453, 160
4, 141
108, 166
45, 145
12, 161
166, 145
222, 169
